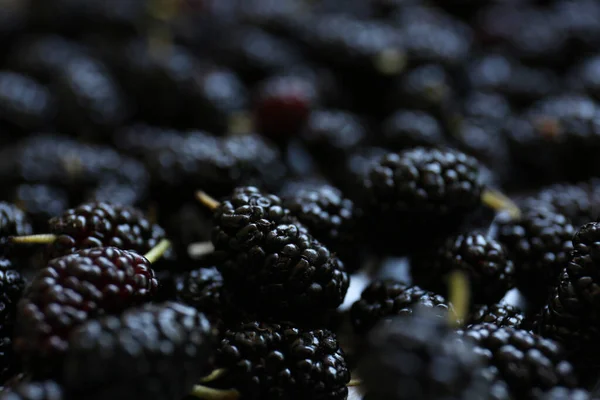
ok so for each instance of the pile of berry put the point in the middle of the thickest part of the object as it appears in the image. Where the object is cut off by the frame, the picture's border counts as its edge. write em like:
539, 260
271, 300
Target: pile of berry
294, 199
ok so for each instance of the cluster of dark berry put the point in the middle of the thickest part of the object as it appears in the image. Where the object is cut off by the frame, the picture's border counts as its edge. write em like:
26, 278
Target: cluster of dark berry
294, 199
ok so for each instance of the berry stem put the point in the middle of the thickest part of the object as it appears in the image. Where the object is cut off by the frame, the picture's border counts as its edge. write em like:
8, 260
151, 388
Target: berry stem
157, 251
499, 202
34, 239
459, 297
354, 382
389, 62
199, 249
207, 200
214, 375
203, 392
238, 123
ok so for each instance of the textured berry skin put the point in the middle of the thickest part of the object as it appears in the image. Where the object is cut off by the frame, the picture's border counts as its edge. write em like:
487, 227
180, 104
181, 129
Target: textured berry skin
383, 299
270, 361
528, 363
11, 289
485, 262
102, 224
557, 128
13, 222
583, 266
411, 194
202, 289
24, 103
174, 344
271, 262
539, 243
500, 315
43, 390
71, 290
442, 366
283, 105
330, 217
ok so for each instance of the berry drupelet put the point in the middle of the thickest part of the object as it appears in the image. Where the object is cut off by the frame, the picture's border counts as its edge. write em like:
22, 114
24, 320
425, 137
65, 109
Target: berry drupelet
383, 299
101, 224
330, 218
500, 315
415, 194
539, 243
24, 103
271, 262
528, 363
43, 390
563, 393
484, 260
272, 361
154, 352
11, 289
420, 357
71, 290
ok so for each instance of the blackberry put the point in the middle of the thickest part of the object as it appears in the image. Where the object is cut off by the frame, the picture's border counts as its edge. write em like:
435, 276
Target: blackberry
428, 88
539, 243
557, 128
383, 299
199, 160
417, 192
500, 315
329, 217
583, 263
442, 366
71, 290
521, 84
484, 260
102, 224
43, 57
585, 77
85, 170
406, 129
486, 106
283, 104
562, 393
332, 135
272, 361
140, 139
369, 47
271, 262
11, 289
528, 363
568, 319
202, 289
256, 54
24, 103
579, 202
433, 37
43, 390
217, 97
351, 174
174, 345
41, 202
91, 102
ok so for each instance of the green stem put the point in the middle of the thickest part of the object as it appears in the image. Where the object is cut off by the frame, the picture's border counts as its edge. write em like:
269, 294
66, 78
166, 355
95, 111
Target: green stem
207, 200
157, 251
203, 392
459, 297
34, 239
